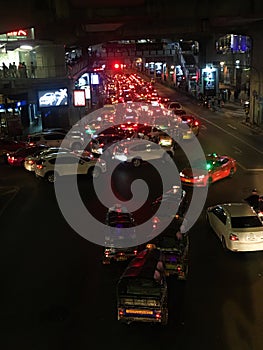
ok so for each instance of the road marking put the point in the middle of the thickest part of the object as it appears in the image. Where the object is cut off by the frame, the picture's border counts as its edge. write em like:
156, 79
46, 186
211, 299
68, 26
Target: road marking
232, 135
246, 169
231, 126
237, 149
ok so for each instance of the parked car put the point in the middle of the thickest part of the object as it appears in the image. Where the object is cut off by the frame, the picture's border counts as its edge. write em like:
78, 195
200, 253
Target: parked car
204, 173
57, 164
237, 225
55, 139
17, 157
136, 151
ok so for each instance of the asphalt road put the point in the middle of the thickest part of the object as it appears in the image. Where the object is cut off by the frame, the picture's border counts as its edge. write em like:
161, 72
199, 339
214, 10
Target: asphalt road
56, 294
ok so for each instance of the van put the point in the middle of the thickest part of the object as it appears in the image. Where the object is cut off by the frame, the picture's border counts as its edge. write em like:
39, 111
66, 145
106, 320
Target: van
142, 289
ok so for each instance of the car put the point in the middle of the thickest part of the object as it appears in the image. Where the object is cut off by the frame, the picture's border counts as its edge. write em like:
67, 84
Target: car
174, 106
53, 165
30, 160
237, 225
7, 146
205, 172
192, 122
73, 140
136, 151
174, 198
17, 158
99, 143
119, 217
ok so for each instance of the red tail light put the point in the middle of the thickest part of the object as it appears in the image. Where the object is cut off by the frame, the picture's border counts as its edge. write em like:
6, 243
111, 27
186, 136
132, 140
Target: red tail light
233, 237
40, 166
196, 123
158, 315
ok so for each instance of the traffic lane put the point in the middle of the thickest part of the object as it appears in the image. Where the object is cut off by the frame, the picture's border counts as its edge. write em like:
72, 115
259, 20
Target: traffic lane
64, 295
238, 130
225, 299
248, 157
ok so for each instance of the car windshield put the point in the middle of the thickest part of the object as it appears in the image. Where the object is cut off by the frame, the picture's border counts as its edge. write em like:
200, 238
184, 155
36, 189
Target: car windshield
246, 222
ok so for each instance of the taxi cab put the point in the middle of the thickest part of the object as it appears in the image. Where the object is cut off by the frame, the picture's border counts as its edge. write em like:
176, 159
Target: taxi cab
205, 172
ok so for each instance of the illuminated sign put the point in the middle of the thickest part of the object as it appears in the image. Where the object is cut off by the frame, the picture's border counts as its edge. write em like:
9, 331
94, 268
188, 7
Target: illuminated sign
210, 81
79, 98
18, 33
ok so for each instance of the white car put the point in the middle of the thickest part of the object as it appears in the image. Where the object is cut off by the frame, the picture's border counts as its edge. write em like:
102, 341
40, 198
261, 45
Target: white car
136, 151
30, 161
73, 139
237, 225
53, 165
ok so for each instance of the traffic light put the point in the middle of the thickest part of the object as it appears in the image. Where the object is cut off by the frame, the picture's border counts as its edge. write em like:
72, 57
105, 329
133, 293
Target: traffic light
116, 66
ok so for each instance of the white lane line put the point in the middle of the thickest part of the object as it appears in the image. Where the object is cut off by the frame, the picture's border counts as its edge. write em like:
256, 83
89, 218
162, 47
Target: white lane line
238, 150
230, 134
231, 126
246, 169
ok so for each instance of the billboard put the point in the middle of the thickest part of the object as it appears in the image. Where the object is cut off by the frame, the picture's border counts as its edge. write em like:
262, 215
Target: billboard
53, 97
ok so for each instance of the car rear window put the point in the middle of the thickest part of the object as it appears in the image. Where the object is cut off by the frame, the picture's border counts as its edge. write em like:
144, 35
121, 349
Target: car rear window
246, 221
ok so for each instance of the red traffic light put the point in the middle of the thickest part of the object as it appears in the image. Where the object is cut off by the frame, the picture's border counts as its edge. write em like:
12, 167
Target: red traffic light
116, 65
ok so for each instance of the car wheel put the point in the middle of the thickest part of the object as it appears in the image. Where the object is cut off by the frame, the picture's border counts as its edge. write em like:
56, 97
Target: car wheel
51, 177
94, 172
136, 162
231, 172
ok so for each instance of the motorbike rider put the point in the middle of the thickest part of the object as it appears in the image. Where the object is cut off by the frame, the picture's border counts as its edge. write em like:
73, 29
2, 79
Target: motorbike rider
253, 199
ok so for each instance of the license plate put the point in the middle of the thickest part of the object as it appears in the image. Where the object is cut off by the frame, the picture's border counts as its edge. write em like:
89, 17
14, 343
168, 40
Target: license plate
139, 312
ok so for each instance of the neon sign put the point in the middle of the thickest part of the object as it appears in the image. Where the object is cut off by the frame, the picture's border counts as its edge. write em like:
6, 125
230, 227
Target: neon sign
20, 32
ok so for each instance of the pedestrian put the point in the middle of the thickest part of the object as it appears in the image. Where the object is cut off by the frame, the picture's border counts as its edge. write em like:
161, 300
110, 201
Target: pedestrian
253, 199
32, 70
24, 70
20, 70
14, 70
5, 70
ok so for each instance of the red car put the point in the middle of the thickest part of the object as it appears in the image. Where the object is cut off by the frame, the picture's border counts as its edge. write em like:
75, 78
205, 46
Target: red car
17, 158
204, 173
10, 146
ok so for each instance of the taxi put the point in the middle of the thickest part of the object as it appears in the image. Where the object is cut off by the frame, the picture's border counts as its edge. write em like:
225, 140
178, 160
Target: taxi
207, 171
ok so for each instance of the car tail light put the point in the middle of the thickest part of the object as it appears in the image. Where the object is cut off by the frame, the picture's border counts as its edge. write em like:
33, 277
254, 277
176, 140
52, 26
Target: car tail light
233, 237
158, 315
196, 123
121, 312
40, 166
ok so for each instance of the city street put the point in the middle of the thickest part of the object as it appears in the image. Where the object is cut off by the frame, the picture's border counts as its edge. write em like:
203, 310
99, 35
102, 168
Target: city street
57, 294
